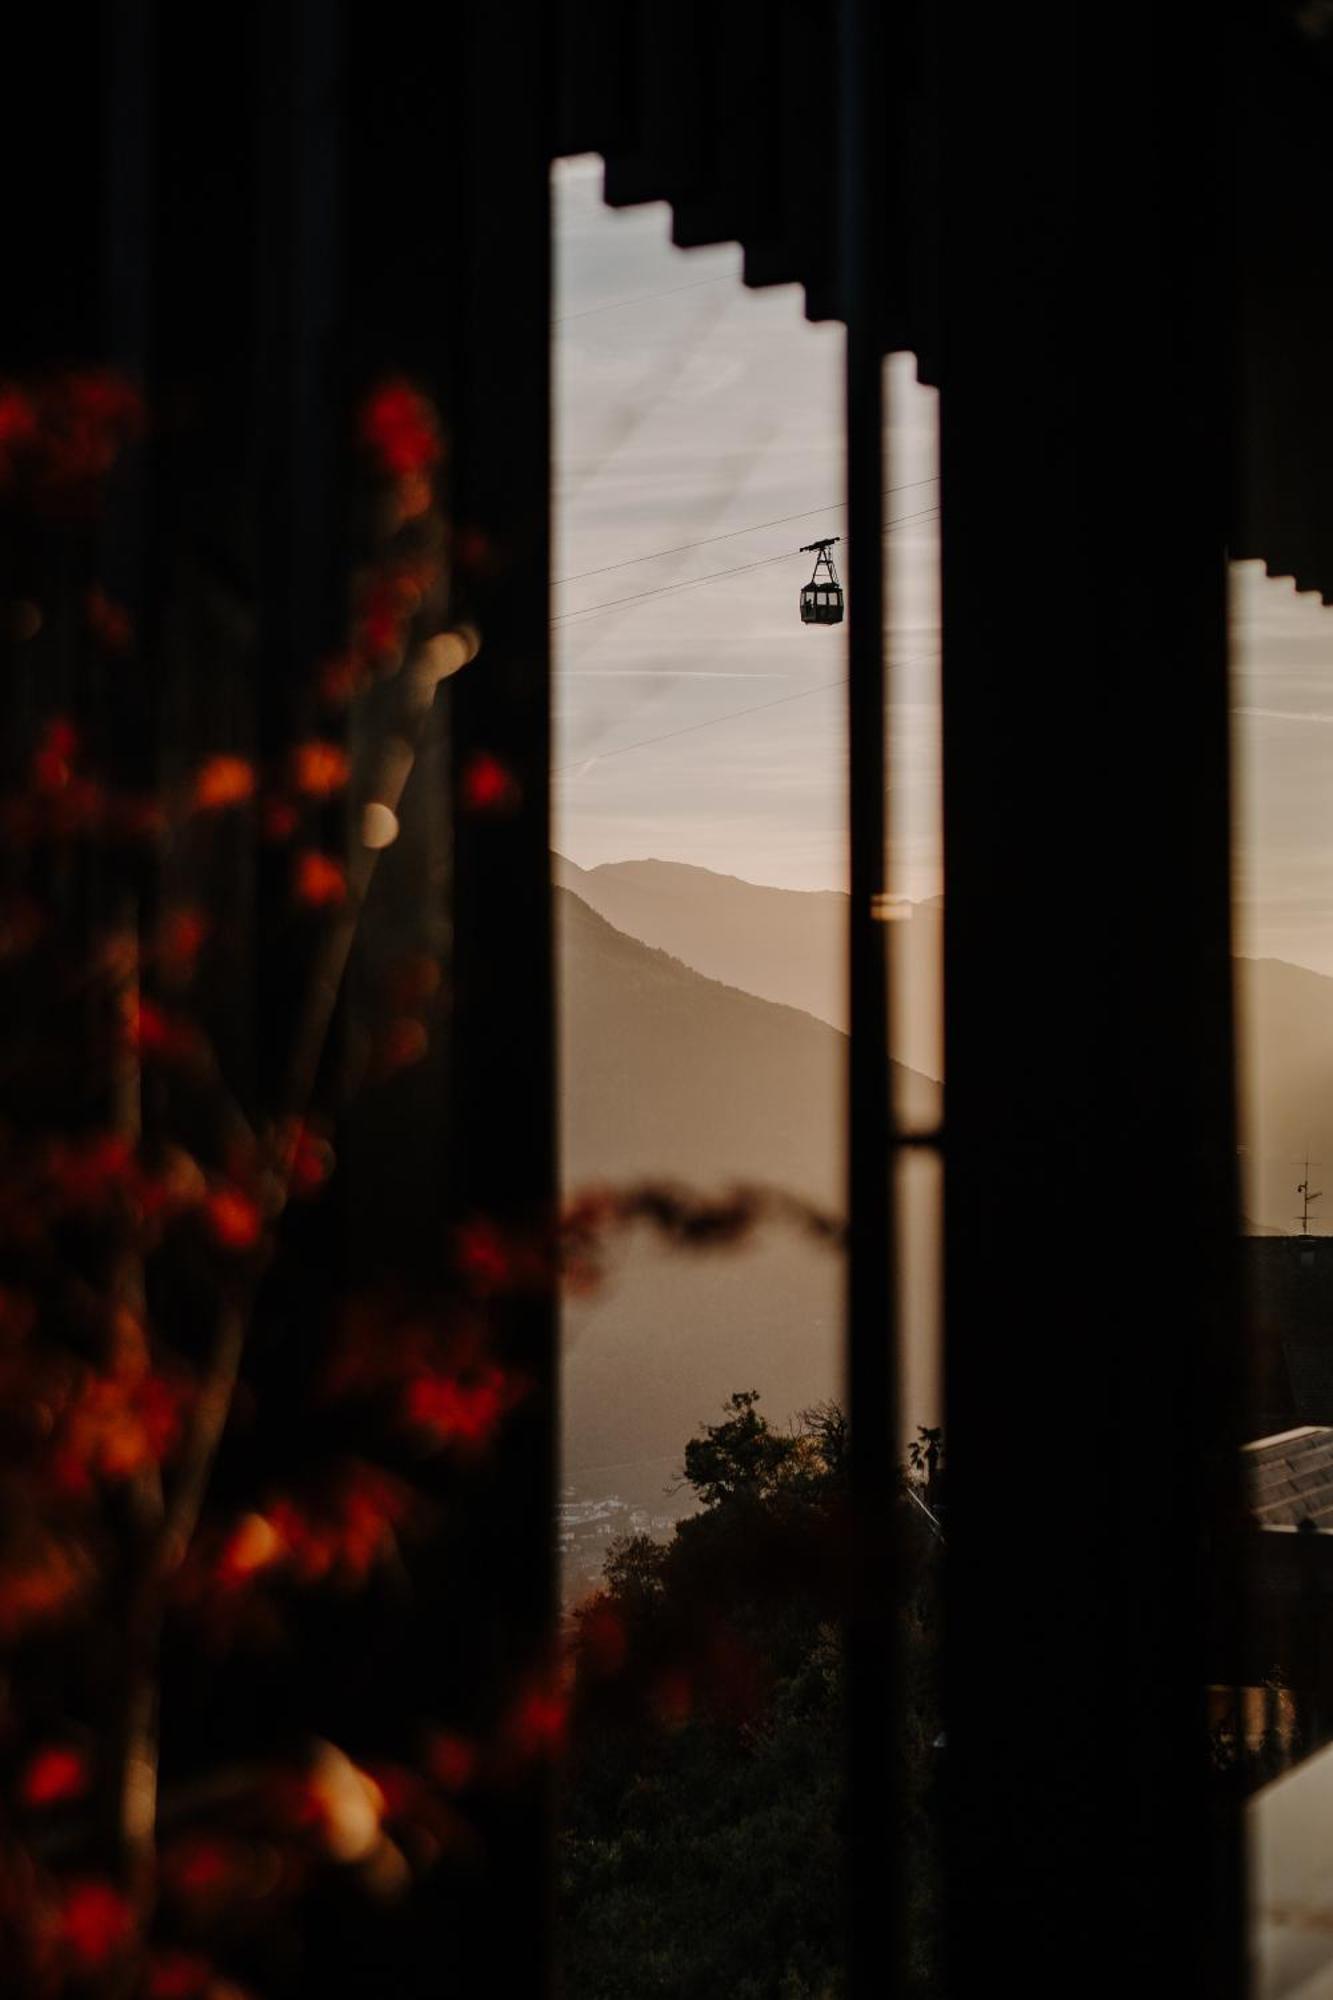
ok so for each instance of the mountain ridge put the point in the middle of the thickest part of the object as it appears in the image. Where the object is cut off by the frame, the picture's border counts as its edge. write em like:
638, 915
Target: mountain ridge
670, 1074
784, 945
788, 946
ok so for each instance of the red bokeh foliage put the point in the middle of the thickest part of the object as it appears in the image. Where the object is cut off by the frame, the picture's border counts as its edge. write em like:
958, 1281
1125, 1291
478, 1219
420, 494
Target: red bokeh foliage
161, 1035
454, 1409
403, 1043
485, 1255
307, 1156
537, 1724
433, 1373
18, 426
319, 770
52, 759
62, 435
144, 1210
43, 1578
111, 1428
181, 936
318, 880
234, 1219
335, 1533
110, 623
400, 429
54, 1775
222, 782
451, 1760
96, 1922
178, 1975
488, 785
202, 1868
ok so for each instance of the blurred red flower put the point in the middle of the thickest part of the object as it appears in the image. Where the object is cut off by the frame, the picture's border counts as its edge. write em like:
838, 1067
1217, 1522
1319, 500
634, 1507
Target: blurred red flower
400, 429
319, 769
488, 785
233, 1218
96, 1921
223, 782
54, 1775
177, 1975
319, 881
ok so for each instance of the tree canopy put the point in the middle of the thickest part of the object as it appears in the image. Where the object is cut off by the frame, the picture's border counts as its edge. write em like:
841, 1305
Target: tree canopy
701, 1847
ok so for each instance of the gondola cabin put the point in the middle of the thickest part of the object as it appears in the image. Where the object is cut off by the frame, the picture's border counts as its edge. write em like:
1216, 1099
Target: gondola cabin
821, 599
821, 604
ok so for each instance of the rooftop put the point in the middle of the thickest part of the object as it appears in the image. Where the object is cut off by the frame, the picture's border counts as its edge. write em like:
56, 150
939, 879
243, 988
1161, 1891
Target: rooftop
1290, 1477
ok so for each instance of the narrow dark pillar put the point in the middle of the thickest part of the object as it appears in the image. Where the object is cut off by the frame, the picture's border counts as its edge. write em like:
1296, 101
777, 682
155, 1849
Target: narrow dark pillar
875, 1943
502, 1134
1090, 1179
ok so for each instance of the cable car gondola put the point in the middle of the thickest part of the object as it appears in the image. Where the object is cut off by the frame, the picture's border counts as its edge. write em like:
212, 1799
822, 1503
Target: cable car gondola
821, 600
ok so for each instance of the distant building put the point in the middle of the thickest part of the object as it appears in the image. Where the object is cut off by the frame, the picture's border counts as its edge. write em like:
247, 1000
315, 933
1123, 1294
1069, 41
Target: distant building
1284, 1676
1290, 1298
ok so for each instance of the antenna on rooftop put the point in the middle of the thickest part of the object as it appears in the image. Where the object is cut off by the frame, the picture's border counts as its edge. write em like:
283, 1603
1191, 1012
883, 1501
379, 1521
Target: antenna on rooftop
1307, 1195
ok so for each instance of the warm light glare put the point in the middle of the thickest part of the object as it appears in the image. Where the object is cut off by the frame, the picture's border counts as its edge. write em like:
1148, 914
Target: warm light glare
379, 825
448, 651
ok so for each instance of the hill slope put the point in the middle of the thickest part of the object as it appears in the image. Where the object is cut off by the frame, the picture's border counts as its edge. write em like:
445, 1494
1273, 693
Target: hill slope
785, 945
667, 1073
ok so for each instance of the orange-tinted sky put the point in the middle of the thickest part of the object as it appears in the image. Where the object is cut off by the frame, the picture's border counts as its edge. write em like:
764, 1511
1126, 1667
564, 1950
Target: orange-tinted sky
689, 409
692, 411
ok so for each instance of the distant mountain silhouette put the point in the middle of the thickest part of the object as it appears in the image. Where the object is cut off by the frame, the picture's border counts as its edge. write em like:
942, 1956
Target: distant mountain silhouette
786, 945
666, 1073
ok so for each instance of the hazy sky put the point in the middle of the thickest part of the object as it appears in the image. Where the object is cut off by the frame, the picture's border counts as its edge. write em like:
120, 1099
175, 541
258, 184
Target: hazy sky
689, 408
1282, 654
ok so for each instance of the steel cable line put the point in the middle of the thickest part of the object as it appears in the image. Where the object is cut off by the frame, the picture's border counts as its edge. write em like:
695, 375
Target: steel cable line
838, 506
713, 721
689, 583
757, 449
714, 576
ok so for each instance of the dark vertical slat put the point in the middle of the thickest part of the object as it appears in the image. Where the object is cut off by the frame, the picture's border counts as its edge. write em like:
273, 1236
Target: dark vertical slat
299, 447
875, 1942
125, 272
54, 227
503, 1114
1282, 504
730, 78
795, 233
54, 314
596, 76
204, 498
1090, 1198
669, 155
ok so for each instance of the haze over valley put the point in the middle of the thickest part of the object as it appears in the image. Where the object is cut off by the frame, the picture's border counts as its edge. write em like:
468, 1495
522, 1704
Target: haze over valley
702, 1043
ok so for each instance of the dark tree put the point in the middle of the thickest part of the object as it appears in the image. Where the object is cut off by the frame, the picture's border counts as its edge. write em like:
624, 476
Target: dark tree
701, 1850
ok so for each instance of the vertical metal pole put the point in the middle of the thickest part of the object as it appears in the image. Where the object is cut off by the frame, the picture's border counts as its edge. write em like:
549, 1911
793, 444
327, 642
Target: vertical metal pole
875, 1952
